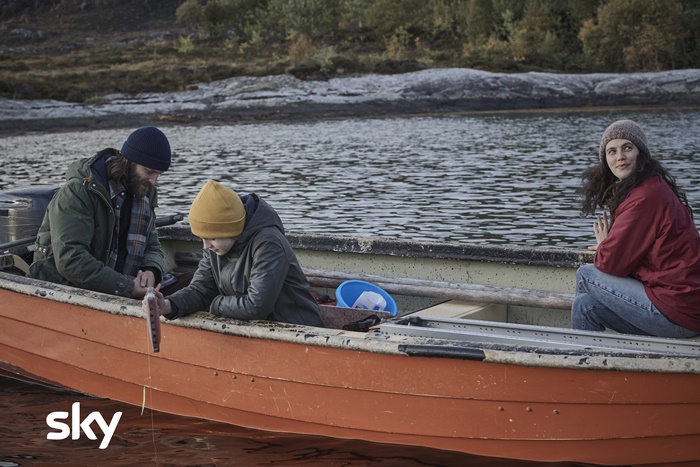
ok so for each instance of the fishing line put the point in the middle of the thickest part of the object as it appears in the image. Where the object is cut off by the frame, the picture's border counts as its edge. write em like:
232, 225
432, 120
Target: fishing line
143, 403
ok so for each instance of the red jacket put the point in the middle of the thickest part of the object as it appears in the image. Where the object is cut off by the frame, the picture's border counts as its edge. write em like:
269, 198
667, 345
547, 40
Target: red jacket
655, 241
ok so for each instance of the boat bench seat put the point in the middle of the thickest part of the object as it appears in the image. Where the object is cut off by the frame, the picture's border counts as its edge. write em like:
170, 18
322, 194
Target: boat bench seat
467, 310
472, 310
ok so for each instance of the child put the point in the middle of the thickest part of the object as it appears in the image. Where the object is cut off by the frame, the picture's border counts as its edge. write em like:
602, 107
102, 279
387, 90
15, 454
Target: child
248, 270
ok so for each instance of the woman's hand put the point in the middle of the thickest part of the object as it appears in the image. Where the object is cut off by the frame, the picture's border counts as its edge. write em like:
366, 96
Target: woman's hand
601, 228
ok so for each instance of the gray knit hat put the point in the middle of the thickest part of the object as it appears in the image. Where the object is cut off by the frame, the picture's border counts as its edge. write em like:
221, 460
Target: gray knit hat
624, 129
149, 147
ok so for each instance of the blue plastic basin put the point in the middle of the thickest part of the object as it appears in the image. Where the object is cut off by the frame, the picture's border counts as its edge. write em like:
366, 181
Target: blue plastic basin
347, 293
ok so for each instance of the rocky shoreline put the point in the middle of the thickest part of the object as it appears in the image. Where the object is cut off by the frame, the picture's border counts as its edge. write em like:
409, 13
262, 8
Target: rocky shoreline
285, 98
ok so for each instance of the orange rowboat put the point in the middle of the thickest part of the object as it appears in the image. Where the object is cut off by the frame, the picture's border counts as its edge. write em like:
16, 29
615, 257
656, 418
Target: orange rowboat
450, 374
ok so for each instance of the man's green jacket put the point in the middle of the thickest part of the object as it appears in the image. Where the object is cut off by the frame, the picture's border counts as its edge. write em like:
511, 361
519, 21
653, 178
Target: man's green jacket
75, 236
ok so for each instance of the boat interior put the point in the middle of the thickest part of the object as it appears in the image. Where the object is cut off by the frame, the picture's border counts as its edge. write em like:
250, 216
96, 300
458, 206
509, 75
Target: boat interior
408, 305
22, 210
437, 318
504, 323
450, 308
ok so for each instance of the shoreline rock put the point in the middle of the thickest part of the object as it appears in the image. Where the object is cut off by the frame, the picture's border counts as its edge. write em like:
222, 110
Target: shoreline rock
285, 98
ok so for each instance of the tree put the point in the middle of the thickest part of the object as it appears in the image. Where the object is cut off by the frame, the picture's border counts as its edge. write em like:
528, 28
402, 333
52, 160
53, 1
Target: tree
475, 21
547, 32
352, 13
385, 17
312, 18
533, 35
688, 53
634, 35
220, 18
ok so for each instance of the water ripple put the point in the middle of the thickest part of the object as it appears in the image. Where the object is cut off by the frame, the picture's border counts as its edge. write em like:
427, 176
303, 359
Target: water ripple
506, 178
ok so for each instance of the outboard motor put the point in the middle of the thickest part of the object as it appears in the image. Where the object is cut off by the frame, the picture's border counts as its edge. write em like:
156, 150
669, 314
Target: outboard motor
22, 210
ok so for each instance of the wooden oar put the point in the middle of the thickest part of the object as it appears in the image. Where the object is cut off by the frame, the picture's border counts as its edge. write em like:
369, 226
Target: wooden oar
447, 290
428, 288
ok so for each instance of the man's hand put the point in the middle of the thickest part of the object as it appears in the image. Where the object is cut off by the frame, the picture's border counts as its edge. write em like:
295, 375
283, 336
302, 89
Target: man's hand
142, 281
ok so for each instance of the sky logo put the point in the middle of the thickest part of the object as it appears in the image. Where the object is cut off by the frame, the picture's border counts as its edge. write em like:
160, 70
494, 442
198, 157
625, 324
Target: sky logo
77, 425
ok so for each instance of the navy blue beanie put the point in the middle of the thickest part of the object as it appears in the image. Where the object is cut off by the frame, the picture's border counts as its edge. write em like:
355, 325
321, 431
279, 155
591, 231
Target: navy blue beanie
149, 147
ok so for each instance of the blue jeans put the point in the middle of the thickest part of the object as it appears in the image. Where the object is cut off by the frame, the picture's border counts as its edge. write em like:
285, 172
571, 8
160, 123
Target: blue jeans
618, 303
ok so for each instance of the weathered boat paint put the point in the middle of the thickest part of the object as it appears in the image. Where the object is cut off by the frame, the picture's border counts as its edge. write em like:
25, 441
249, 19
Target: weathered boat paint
525, 402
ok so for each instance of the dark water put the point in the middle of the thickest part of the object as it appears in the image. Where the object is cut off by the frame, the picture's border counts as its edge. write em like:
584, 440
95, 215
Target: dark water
494, 178
157, 439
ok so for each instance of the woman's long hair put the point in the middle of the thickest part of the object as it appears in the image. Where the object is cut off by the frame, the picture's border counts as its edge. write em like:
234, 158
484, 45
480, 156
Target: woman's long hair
601, 189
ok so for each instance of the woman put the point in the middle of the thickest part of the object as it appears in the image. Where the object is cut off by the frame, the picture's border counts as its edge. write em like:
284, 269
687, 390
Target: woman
645, 278
248, 270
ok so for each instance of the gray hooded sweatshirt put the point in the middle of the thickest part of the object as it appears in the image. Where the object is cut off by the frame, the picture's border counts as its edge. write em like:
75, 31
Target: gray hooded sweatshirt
258, 279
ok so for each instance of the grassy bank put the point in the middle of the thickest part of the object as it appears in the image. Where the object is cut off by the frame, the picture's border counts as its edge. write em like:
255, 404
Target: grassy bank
80, 50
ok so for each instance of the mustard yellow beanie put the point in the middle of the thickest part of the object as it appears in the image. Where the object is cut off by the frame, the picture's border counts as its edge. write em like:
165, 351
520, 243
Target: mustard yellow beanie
217, 212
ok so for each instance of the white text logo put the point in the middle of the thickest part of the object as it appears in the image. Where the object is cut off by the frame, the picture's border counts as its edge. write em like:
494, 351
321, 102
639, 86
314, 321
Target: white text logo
77, 425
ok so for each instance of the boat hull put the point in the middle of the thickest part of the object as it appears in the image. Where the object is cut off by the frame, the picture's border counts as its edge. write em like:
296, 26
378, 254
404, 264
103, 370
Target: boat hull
293, 382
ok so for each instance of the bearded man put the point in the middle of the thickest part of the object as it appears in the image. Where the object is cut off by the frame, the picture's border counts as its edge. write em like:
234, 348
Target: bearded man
99, 232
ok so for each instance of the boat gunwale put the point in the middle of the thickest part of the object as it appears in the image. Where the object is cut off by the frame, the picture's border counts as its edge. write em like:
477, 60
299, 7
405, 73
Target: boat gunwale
485, 253
405, 346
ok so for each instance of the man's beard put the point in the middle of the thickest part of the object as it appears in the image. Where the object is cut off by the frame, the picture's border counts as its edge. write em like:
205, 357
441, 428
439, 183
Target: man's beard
136, 185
